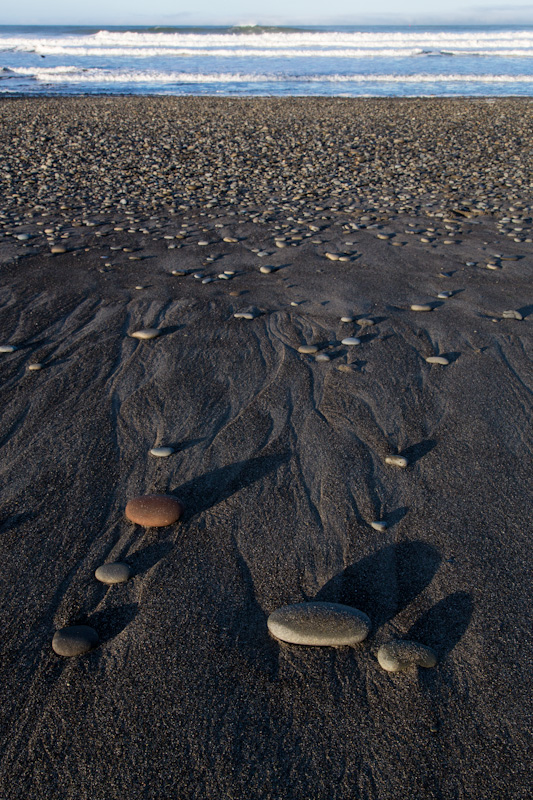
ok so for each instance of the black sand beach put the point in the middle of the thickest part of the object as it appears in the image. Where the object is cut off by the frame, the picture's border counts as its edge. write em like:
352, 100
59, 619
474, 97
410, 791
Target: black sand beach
279, 458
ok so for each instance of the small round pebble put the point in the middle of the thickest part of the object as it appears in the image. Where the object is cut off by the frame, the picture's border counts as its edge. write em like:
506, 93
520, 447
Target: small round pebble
351, 341
317, 623
34, 367
7, 348
161, 452
421, 307
58, 248
347, 319
437, 360
399, 656
396, 461
322, 357
74, 641
308, 348
266, 270
146, 333
154, 510
444, 295
379, 526
116, 572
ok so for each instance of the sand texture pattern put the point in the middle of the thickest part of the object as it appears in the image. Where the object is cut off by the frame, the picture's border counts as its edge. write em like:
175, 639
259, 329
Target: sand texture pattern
279, 458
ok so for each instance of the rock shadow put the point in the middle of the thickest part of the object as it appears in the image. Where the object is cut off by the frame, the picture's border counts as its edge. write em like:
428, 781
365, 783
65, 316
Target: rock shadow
444, 625
525, 310
415, 452
384, 583
111, 621
396, 516
213, 487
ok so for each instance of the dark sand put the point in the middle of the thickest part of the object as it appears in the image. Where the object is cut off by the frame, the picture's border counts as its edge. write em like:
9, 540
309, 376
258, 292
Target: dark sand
280, 460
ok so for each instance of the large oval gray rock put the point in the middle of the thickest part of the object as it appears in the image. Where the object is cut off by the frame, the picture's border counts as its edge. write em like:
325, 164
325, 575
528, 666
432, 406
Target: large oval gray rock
317, 623
114, 572
399, 656
74, 641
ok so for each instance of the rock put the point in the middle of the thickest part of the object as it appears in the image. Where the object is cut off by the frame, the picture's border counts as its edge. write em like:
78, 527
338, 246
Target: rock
512, 315
347, 319
22, 237
346, 368
444, 295
179, 272
266, 270
332, 256
34, 367
421, 307
146, 333
379, 526
74, 641
396, 461
365, 322
308, 348
161, 452
402, 655
322, 357
230, 239
7, 348
437, 360
317, 623
115, 572
154, 510
351, 341
58, 248
203, 243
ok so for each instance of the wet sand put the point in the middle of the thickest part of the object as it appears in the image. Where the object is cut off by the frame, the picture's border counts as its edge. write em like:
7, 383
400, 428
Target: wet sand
279, 458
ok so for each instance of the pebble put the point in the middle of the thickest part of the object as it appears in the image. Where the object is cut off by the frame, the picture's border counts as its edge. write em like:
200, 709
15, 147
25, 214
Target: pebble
244, 315
58, 248
402, 655
332, 256
346, 368
146, 333
421, 307
154, 510
7, 348
365, 322
116, 572
203, 243
322, 357
347, 319
317, 623
161, 452
379, 526
396, 461
230, 239
266, 270
34, 367
444, 295
351, 341
74, 641
512, 315
437, 360
308, 348
179, 272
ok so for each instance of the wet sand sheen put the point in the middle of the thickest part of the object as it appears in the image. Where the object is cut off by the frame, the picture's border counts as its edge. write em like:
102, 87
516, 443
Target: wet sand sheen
284, 388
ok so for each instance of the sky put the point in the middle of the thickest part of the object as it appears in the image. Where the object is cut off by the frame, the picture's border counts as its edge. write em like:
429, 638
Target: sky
264, 12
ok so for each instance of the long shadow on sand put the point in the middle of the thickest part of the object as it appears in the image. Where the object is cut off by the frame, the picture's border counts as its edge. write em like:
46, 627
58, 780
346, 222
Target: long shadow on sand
444, 624
111, 621
386, 582
213, 487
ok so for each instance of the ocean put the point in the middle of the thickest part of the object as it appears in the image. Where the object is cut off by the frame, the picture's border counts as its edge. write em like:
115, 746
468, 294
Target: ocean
367, 61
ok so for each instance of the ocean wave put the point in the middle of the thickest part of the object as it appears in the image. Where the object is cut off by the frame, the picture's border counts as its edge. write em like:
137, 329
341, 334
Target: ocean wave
99, 76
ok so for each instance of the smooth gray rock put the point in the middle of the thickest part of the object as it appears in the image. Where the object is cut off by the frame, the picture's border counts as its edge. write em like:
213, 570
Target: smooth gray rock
74, 641
317, 623
114, 572
399, 656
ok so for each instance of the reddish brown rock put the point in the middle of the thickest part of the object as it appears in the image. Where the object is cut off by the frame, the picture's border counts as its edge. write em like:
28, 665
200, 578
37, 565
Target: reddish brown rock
154, 510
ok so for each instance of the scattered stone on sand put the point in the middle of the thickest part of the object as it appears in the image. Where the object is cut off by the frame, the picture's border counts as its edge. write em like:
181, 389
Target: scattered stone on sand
351, 341
322, 357
444, 295
203, 243
35, 367
58, 248
421, 307
161, 452
378, 525
346, 368
308, 348
437, 360
365, 322
266, 270
75, 640
317, 623
396, 461
332, 256
512, 315
7, 348
154, 510
250, 314
115, 572
146, 333
347, 319
230, 239
403, 655
179, 273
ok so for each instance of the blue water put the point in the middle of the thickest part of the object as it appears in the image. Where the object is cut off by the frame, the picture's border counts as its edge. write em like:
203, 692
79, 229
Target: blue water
366, 61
